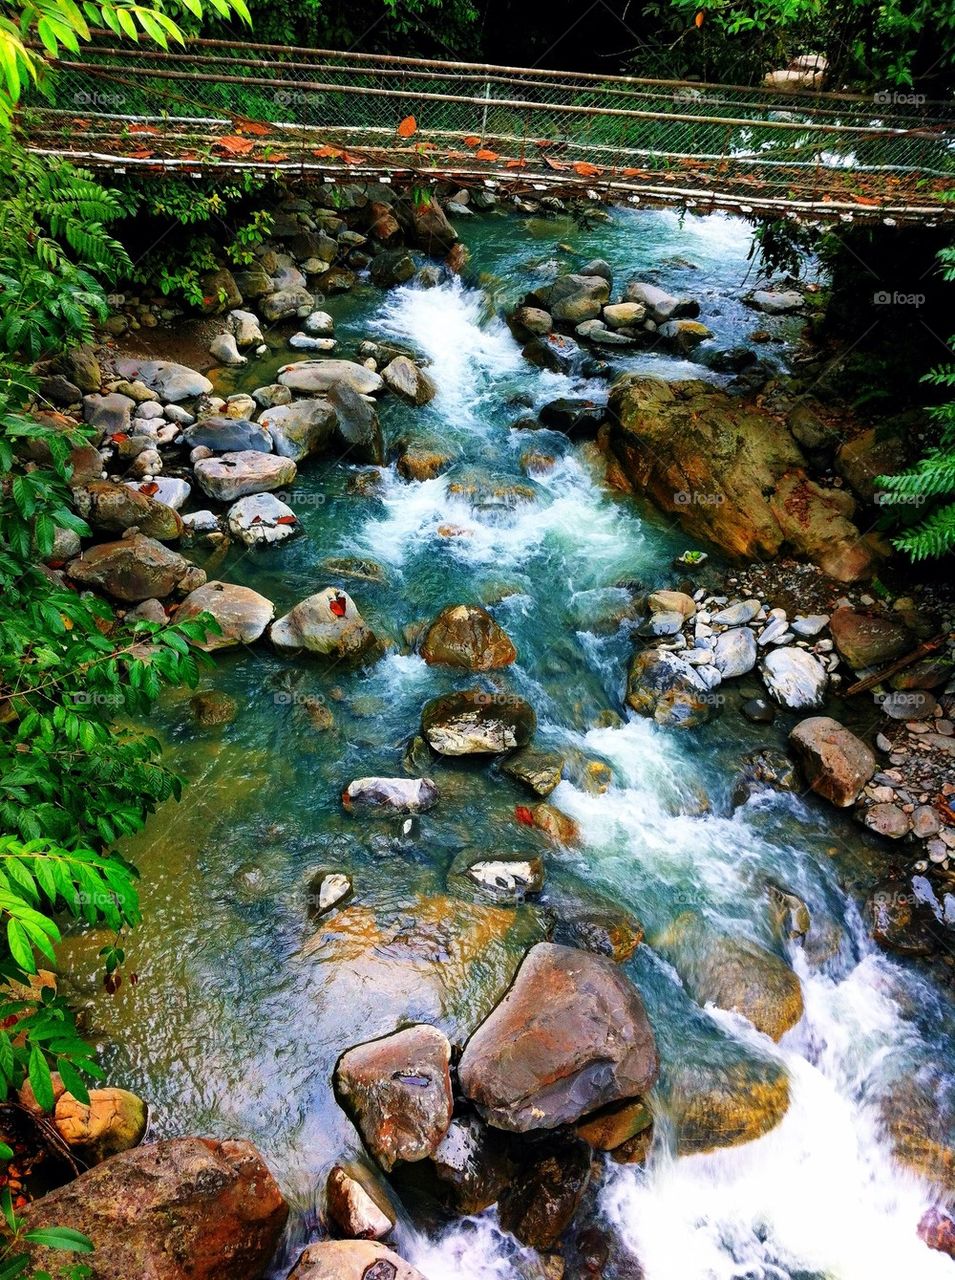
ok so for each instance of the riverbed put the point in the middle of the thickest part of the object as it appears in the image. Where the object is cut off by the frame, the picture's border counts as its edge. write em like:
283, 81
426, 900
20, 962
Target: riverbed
242, 1004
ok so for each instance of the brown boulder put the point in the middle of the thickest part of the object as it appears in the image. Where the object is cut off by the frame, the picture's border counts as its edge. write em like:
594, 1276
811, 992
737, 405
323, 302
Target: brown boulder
873, 453
352, 1260
731, 473
397, 1091
186, 1209
432, 230
132, 569
114, 1120
836, 763
869, 639
117, 507
465, 635
570, 1036
477, 723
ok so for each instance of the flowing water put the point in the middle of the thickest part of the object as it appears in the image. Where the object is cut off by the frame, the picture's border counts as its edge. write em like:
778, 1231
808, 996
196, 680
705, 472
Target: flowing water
242, 1006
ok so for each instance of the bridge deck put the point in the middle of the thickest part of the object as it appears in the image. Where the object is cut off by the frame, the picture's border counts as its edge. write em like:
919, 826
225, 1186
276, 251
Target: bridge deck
346, 117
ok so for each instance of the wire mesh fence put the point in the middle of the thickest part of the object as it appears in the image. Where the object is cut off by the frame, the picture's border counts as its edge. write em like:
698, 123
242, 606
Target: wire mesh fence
295, 107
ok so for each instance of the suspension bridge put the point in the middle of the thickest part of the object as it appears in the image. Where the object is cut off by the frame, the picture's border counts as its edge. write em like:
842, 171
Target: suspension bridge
217, 107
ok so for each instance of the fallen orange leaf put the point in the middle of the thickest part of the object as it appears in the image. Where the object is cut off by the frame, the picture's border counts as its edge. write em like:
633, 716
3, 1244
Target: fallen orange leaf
516, 164
698, 20
234, 145
472, 140
252, 126
325, 152
555, 164
408, 127
484, 154
585, 169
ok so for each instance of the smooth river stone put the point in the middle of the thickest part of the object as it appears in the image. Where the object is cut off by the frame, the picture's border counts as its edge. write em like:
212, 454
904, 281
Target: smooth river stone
312, 377
234, 475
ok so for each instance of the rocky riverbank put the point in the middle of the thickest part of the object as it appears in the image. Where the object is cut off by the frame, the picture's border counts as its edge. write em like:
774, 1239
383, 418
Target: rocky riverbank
556, 1075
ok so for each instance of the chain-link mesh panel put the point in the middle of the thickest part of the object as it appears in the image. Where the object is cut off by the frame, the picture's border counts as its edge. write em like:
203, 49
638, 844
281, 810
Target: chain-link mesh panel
616, 134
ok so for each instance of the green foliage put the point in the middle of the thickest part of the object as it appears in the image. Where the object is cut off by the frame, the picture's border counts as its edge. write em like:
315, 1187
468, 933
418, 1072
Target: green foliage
14, 1262
438, 25
59, 26
54, 251
879, 45
931, 482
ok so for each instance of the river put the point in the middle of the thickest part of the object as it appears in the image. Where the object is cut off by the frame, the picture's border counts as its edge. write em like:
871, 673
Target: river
240, 1012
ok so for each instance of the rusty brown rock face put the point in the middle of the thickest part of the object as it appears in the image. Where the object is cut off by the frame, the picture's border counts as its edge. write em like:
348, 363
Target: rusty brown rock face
186, 1209
465, 635
397, 1091
569, 1037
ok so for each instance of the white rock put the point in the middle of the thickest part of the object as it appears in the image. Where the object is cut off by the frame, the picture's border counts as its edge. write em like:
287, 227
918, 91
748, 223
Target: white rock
201, 521
261, 518
170, 490
224, 350
320, 324
809, 624
244, 327
304, 342
735, 652
794, 678
402, 795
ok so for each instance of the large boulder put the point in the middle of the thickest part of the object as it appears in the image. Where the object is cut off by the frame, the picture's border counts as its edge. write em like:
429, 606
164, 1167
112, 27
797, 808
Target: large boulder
317, 377
731, 474
242, 614
733, 973
869, 639
228, 435
569, 1037
300, 429
235, 475
352, 1260
477, 723
172, 382
663, 685
189, 1207
327, 623
465, 635
117, 507
397, 1091
358, 427
133, 568
836, 763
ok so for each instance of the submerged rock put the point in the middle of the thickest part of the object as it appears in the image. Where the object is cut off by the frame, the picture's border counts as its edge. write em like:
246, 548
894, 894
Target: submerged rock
215, 1201
733, 973
726, 1104
836, 763
212, 707
761, 770
507, 878
477, 723
570, 1036
539, 771
465, 635
397, 1091
327, 623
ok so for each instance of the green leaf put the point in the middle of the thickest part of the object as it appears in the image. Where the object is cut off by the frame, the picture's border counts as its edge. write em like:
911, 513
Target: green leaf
60, 1238
40, 1079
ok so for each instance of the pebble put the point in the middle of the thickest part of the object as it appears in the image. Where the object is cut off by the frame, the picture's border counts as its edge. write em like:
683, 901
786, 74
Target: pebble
809, 624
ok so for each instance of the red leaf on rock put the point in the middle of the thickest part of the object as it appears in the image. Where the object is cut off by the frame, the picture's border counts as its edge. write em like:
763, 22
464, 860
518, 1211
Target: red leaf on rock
119, 438
338, 604
523, 815
287, 520
149, 489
